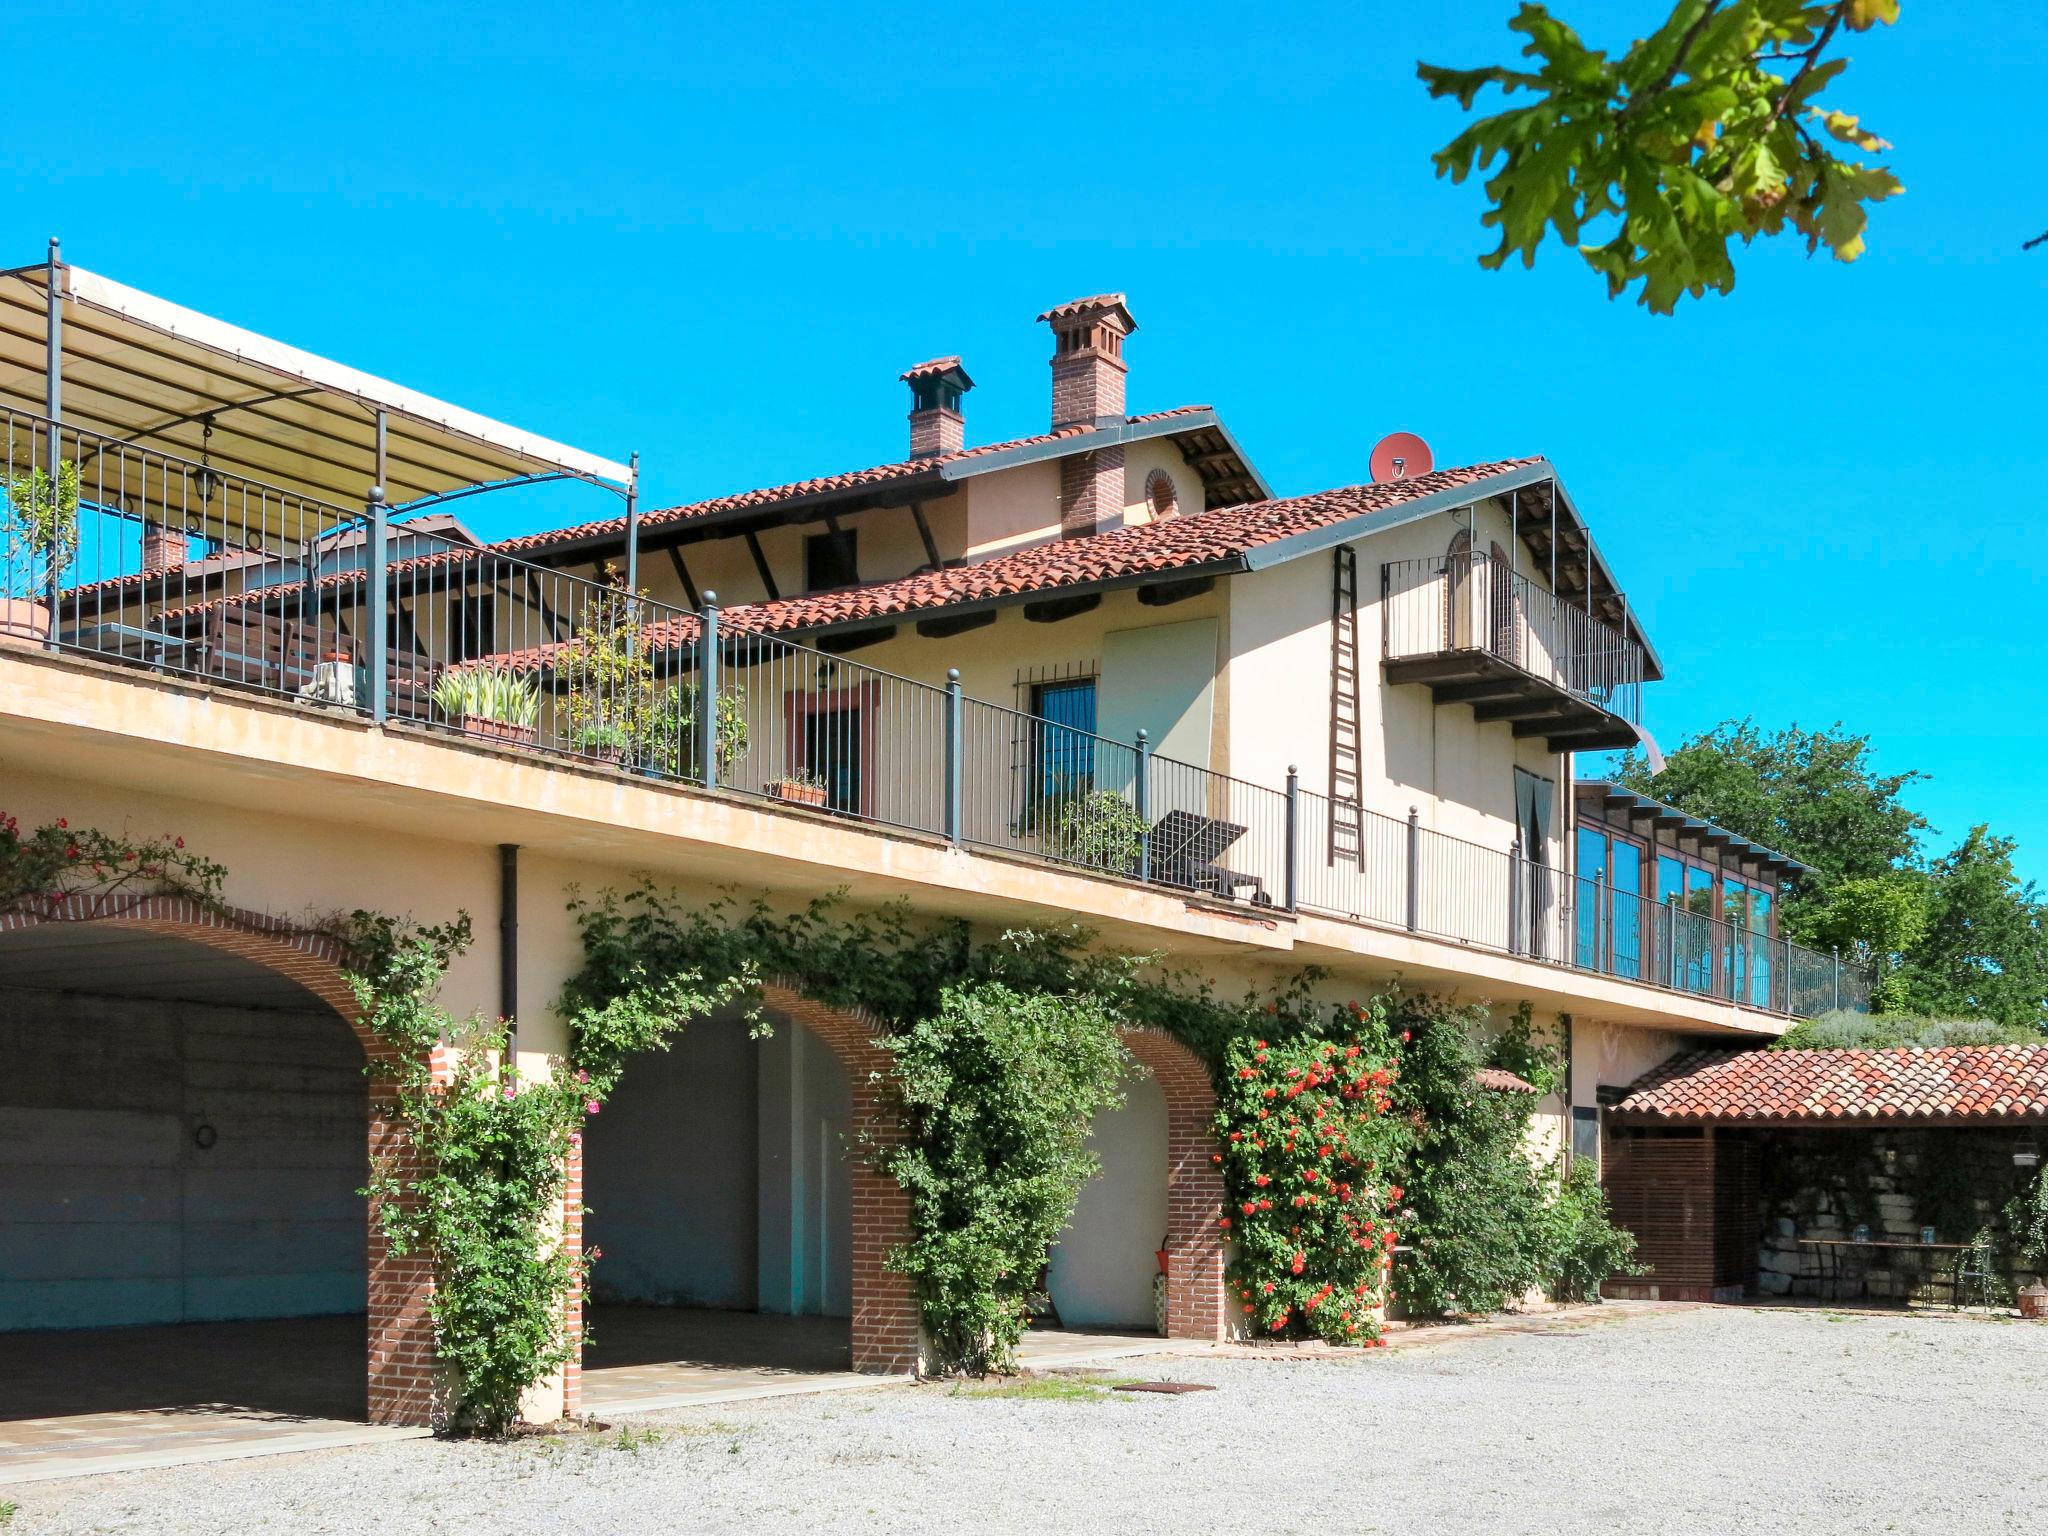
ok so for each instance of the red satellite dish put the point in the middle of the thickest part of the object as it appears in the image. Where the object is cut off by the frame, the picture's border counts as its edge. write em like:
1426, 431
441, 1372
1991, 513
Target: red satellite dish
1401, 456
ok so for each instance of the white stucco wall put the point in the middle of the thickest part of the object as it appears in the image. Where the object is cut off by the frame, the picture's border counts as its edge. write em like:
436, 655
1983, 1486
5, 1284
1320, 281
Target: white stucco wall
1103, 1264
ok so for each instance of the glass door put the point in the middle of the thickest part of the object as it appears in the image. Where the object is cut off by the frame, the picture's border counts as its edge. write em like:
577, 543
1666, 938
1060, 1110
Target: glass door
1625, 906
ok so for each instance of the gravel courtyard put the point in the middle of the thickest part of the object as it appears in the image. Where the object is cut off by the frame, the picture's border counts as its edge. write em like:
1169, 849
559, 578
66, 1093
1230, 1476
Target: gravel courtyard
1613, 1419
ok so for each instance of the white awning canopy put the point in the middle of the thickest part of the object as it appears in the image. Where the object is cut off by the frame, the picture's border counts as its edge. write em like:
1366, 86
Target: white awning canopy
144, 371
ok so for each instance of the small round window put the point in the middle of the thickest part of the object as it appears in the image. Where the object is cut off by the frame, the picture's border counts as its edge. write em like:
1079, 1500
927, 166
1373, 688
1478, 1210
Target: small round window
1159, 494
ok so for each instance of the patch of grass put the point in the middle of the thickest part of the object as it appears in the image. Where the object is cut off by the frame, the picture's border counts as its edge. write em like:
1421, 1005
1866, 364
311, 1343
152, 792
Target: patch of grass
8, 1510
1045, 1389
634, 1440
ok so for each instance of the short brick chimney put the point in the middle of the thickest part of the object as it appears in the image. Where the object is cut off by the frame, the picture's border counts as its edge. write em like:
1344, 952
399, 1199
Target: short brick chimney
163, 549
1088, 391
936, 425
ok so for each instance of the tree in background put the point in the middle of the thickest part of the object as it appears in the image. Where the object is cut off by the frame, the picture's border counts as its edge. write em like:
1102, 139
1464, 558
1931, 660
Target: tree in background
1706, 131
1961, 935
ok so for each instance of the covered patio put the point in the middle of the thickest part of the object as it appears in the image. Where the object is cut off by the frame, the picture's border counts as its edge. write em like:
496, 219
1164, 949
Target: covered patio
1846, 1175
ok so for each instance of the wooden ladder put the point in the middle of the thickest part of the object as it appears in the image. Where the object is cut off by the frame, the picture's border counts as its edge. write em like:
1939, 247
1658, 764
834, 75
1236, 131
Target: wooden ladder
1347, 833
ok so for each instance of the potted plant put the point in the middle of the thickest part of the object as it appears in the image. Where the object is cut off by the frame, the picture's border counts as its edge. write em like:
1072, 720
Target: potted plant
38, 536
800, 787
492, 702
618, 707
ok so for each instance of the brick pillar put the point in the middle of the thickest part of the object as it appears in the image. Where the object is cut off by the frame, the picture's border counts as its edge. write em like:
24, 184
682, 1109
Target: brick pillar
404, 1377
572, 1320
1195, 1302
1088, 392
887, 1328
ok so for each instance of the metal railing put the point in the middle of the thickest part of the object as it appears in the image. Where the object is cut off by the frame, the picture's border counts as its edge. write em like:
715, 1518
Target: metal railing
1477, 605
350, 611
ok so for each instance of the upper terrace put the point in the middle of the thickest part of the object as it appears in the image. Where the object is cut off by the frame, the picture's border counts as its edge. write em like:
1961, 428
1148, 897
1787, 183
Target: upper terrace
193, 518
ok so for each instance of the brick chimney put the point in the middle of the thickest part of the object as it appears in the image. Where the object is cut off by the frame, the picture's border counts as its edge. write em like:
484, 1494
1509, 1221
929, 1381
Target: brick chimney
163, 549
1088, 391
936, 425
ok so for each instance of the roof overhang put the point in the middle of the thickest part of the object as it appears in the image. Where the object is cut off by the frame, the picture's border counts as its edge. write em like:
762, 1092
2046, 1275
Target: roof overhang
141, 370
1683, 824
1538, 472
918, 482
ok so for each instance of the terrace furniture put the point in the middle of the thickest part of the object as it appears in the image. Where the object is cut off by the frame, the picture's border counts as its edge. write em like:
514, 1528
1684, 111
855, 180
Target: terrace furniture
247, 645
1844, 1258
135, 643
1185, 848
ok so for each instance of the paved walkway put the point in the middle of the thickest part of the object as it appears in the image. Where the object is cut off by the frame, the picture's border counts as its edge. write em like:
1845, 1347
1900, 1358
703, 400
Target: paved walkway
89, 1400
80, 1402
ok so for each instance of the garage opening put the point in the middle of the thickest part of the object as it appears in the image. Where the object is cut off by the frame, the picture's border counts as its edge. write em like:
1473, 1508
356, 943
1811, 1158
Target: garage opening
720, 1185
183, 1244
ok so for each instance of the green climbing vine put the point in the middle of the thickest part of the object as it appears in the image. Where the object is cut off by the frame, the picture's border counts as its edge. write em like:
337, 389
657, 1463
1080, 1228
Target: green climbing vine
479, 1188
1005, 1049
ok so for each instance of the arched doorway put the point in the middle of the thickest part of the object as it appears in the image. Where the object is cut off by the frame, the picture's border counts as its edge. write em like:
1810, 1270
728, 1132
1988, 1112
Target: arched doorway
741, 1229
180, 1201
1158, 1182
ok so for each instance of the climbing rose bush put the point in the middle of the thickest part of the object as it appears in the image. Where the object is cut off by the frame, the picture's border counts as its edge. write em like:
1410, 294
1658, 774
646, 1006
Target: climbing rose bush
1310, 1144
58, 867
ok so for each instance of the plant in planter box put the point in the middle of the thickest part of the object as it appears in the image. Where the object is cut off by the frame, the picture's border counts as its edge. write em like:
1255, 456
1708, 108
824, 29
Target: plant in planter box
801, 786
618, 707
609, 710
491, 701
38, 537
1100, 829
672, 745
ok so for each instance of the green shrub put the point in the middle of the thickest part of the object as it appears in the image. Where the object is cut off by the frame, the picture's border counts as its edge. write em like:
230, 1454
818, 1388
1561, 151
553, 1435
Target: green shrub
1842, 1030
1488, 1223
999, 1090
488, 693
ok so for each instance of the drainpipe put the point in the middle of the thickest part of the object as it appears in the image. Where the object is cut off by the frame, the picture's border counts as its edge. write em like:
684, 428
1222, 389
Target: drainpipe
508, 946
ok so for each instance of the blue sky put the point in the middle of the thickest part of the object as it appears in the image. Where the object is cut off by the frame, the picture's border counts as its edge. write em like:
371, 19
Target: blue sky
715, 235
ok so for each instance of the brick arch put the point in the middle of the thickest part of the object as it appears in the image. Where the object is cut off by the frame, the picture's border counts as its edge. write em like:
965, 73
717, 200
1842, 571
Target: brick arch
400, 1364
1194, 1185
887, 1330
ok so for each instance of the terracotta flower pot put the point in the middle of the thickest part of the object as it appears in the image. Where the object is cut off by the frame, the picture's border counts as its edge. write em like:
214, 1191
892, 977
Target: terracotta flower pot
2034, 1301
797, 794
499, 730
23, 621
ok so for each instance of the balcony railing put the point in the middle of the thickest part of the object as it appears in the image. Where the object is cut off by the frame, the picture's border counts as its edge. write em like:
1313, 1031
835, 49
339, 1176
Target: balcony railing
1481, 633
310, 602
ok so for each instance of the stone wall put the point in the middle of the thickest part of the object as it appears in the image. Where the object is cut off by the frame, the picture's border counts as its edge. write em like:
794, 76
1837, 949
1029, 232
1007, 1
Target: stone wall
1824, 1183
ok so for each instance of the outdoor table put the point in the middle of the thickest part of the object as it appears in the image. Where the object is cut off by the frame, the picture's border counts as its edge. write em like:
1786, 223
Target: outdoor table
151, 645
1831, 1253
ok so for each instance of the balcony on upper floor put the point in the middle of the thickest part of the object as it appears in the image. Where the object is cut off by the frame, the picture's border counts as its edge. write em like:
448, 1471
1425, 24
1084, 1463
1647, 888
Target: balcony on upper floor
1478, 632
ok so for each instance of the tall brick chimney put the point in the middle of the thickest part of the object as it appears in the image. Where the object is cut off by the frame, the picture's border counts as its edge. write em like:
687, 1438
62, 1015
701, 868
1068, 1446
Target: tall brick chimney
936, 425
1088, 391
163, 548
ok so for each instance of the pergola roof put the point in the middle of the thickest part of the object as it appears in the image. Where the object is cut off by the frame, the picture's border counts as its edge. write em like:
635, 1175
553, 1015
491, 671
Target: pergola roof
154, 374
1976, 1084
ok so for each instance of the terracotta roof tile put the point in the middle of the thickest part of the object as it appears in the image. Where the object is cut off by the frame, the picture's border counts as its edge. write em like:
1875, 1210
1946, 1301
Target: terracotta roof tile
1082, 306
769, 496
1500, 1080
925, 370
1202, 538
1976, 1082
